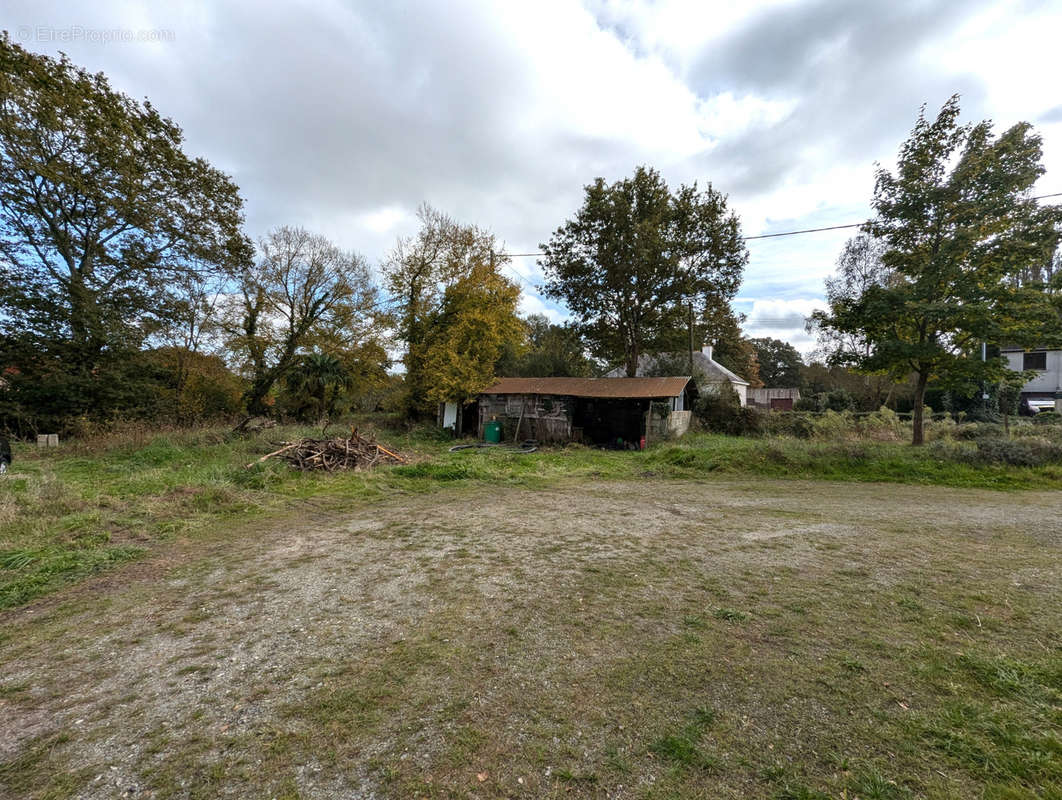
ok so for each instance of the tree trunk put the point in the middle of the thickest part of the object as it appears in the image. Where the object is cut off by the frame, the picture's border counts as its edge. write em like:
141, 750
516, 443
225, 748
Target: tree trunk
919, 403
180, 382
632, 362
255, 396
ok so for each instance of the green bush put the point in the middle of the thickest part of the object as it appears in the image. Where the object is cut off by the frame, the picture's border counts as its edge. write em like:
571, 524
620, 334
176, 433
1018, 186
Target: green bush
832, 425
883, 425
975, 431
722, 412
1047, 418
835, 400
798, 424
1025, 452
714, 409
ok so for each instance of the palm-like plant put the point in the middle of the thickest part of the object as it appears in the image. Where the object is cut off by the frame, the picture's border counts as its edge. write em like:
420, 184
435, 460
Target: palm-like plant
317, 381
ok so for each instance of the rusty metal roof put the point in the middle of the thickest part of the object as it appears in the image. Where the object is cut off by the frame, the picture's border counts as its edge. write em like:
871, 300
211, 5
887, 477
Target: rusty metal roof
619, 388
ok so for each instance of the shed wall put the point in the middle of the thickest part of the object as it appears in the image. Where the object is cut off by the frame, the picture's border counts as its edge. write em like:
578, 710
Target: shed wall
547, 418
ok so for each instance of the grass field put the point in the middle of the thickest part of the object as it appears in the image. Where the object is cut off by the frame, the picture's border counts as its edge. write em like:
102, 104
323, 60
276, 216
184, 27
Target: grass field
705, 619
89, 507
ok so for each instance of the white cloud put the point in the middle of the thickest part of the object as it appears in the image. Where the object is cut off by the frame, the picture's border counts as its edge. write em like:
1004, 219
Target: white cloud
533, 304
343, 117
782, 319
384, 220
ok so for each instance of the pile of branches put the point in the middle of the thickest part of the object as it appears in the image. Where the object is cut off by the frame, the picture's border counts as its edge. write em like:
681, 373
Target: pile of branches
357, 452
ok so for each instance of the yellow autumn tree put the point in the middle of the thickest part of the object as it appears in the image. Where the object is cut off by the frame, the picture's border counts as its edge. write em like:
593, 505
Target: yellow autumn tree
476, 322
454, 310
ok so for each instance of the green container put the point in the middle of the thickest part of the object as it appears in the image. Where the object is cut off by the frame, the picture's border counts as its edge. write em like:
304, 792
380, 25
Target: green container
492, 431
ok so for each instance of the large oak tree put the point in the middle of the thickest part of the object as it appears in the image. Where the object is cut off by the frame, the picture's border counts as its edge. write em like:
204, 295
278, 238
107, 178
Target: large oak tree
101, 210
634, 258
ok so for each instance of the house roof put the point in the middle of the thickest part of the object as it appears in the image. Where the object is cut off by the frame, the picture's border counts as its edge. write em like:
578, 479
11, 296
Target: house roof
618, 388
713, 372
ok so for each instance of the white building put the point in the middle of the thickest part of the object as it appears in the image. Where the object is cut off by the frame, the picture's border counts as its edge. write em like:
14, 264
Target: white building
709, 374
1045, 389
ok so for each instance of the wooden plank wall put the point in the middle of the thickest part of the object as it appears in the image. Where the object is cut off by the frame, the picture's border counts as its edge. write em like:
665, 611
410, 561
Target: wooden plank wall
547, 418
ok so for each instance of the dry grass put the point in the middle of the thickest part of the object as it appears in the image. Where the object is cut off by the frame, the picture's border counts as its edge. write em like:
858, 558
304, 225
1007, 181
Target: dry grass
642, 639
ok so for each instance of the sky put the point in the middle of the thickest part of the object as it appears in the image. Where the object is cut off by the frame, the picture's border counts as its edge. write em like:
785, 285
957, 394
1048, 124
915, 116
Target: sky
344, 117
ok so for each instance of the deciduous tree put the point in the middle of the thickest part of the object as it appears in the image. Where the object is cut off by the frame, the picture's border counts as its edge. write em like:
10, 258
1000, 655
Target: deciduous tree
100, 209
779, 363
298, 289
552, 351
958, 222
635, 255
454, 309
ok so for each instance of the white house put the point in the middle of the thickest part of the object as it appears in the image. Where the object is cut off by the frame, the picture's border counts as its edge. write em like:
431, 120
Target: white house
710, 375
1045, 389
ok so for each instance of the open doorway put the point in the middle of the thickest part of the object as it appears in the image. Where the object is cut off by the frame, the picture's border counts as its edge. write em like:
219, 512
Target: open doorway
618, 423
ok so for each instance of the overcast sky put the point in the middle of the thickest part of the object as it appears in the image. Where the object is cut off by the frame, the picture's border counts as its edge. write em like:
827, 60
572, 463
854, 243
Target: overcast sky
342, 117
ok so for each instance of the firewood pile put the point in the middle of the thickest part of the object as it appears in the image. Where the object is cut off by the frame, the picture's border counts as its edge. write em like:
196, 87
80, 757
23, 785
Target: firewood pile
357, 453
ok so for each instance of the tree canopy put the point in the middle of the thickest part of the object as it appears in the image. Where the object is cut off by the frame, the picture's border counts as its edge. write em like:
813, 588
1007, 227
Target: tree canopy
957, 222
103, 216
634, 258
551, 351
100, 208
455, 311
779, 363
300, 290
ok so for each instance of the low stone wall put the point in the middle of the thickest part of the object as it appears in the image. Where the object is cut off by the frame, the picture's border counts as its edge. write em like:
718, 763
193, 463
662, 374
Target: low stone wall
678, 422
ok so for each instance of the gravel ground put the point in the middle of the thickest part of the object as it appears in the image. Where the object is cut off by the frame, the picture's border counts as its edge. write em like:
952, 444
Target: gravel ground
143, 681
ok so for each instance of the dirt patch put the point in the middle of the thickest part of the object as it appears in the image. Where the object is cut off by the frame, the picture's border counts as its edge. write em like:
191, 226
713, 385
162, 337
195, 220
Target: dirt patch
424, 641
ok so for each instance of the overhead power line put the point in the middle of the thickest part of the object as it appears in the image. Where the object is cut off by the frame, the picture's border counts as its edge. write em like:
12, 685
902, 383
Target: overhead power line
530, 285
788, 233
806, 230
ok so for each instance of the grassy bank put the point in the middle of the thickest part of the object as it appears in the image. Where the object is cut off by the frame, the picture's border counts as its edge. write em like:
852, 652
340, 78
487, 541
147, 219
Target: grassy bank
85, 507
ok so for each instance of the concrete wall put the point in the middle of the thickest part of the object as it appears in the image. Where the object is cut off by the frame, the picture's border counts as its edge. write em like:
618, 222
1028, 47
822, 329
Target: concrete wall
1047, 381
679, 422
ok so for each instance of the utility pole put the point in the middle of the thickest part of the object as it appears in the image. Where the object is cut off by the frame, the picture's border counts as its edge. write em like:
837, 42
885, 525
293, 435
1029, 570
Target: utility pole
691, 337
984, 387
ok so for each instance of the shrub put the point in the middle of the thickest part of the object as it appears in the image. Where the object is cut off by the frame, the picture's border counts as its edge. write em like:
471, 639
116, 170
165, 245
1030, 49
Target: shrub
835, 400
723, 413
974, 431
716, 408
940, 426
1024, 452
798, 424
943, 450
981, 414
832, 425
749, 421
883, 424
839, 400
1047, 418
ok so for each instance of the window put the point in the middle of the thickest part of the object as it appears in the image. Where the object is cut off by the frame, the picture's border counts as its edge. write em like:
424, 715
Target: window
1036, 360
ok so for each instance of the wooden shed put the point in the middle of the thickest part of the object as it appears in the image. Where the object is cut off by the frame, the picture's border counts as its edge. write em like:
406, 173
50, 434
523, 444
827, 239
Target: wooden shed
606, 411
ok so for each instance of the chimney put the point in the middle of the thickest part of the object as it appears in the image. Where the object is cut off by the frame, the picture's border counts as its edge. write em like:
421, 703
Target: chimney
707, 350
